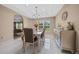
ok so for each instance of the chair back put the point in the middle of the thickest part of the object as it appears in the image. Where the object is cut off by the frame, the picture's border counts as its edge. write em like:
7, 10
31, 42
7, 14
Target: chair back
28, 32
42, 35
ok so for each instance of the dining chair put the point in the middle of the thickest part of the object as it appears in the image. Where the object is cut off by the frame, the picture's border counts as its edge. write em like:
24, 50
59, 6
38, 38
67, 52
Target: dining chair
43, 37
29, 38
43, 34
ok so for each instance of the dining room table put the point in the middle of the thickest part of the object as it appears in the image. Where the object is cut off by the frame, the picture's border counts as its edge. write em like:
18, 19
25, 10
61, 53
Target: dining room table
38, 33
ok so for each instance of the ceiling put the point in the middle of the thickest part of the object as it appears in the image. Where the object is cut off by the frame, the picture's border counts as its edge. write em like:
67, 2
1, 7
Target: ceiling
28, 10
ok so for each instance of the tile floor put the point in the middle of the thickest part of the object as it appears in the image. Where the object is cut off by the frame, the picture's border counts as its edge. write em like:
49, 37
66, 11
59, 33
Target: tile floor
16, 47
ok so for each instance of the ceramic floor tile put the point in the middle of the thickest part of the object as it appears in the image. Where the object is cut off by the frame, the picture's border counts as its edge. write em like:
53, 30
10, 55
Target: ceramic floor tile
16, 47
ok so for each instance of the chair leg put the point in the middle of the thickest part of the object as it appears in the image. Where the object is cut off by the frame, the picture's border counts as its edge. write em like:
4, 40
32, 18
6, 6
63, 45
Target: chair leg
33, 48
24, 46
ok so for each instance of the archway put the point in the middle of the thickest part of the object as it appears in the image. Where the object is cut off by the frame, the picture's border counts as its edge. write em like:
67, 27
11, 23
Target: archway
18, 25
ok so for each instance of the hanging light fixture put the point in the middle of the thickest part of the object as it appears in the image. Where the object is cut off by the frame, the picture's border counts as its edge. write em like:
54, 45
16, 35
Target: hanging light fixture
36, 15
36, 18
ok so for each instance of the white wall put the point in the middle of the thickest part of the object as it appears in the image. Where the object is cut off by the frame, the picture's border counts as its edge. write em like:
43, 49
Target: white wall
73, 16
6, 23
28, 23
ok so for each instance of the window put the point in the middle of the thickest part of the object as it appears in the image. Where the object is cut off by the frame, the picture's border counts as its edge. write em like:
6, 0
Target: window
18, 25
47, 25
18, 22
44, 24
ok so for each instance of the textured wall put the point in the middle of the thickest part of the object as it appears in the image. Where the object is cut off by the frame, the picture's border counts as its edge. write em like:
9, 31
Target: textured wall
73, 16
6, 23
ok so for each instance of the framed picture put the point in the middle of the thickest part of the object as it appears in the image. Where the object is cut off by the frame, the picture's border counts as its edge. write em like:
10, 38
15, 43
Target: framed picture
64, 15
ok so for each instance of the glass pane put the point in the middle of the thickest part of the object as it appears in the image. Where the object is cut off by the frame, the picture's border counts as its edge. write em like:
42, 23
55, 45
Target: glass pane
20, 25
40, 25
16, 25
47, 26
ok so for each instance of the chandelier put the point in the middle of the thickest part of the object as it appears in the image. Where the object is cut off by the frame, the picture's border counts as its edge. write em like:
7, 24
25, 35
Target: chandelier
36, 18
36, 14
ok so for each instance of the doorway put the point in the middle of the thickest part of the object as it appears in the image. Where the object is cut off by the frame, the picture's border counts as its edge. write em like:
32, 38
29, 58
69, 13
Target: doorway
18, 25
